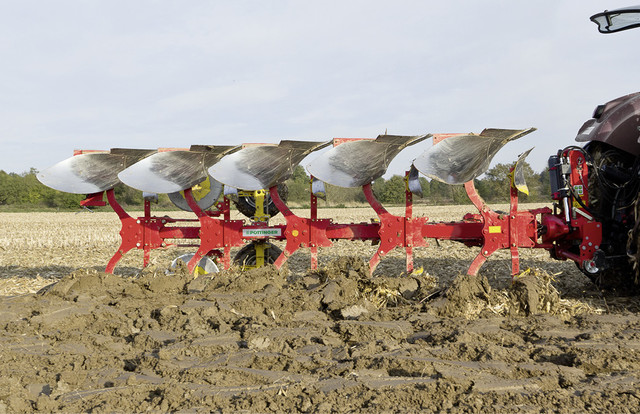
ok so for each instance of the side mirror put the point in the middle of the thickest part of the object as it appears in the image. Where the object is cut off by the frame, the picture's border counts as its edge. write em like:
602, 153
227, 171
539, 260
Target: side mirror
611, 21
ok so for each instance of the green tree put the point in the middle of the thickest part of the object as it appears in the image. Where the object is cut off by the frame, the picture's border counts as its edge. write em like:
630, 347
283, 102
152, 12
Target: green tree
545, 185
34, 190
439, 191
6, 188
128, 196
496, 184
298, 186
426, 188
393, 191
59, 199
378, 187
459, 195
342, 196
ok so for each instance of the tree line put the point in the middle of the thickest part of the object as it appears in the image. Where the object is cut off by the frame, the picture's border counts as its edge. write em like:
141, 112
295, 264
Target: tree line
493, 187
24, 191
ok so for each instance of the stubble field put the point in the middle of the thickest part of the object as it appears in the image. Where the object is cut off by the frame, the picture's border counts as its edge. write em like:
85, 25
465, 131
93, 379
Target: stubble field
295, 340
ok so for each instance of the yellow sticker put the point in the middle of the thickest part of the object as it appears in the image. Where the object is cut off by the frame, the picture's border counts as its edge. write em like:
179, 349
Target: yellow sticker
295, 233
495, 229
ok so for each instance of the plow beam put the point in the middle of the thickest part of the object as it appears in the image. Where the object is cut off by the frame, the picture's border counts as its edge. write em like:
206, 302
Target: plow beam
215, 233
395, 231
355, 163
503, 231
145, 233
301, 232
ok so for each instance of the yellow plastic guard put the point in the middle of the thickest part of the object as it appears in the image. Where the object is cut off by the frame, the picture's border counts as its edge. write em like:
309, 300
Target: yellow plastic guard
522, 187
200, 191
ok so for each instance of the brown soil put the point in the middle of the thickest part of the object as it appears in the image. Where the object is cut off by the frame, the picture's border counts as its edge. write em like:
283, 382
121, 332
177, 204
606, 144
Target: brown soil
332, 340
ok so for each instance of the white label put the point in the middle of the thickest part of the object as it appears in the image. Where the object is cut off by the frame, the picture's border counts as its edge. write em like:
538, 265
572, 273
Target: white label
262, 232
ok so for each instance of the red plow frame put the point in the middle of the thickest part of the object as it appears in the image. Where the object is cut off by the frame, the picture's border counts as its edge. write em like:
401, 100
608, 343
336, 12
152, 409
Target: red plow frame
567, 232
218, 233
487, 229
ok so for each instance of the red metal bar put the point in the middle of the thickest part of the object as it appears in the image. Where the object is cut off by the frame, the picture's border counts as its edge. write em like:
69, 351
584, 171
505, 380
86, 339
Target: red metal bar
579, 178
149, 232
489, 244
128, 234
214, 233
179, 232
513, 229
299, 231
408, 213
353, 231
313, 206
81, 151
338, 141
439, 137
94, 200
502, 231
141, 233
145, 233
585, 237
395, 231
467, 232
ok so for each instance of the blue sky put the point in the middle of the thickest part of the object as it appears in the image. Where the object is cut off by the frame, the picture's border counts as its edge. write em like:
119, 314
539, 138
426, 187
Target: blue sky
148, 74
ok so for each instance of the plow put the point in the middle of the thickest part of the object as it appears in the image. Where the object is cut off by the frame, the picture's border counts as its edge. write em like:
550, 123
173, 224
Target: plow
592, 222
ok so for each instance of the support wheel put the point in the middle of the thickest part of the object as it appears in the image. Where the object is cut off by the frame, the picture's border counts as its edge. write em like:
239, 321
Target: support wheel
246, 257
204, 267
206, 194
247, 204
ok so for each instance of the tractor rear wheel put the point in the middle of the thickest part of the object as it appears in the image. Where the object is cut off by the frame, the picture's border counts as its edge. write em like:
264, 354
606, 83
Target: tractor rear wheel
613, 204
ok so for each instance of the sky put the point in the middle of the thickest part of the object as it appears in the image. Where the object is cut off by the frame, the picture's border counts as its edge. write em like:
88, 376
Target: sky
147, 74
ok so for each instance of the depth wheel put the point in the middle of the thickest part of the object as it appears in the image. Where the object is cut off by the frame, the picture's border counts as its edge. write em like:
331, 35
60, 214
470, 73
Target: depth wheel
246, 258
204, 267
247, 204
206, 194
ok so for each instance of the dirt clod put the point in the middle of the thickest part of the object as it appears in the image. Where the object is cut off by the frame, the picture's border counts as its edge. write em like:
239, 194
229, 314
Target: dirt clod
533, 293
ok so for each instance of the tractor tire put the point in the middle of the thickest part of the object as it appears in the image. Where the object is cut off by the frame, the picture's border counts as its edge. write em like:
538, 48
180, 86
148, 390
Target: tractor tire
247, 204
620, 277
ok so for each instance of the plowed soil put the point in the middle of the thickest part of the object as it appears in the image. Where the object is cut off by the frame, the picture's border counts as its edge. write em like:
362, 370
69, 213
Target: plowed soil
74, 339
